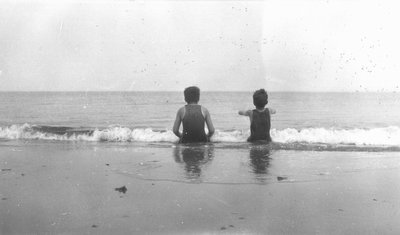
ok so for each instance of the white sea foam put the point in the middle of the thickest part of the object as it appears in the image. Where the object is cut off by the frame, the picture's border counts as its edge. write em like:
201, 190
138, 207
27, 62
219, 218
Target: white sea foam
124, 134
385, 136
116, 134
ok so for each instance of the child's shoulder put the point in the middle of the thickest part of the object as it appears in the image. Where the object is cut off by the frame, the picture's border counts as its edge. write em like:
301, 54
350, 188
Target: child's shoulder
181, 111
204, 111
203, 108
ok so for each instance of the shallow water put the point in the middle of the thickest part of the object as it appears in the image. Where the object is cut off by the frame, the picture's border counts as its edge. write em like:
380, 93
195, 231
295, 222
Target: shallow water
330, 121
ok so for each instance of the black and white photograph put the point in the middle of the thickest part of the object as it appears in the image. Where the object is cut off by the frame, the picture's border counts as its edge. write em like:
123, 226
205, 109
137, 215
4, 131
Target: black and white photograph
199, 117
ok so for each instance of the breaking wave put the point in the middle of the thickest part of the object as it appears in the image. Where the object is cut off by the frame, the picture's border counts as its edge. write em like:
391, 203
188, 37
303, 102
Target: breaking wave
383, 137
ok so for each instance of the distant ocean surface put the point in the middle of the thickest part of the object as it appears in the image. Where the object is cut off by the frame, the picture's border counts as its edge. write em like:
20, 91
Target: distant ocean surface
327, 121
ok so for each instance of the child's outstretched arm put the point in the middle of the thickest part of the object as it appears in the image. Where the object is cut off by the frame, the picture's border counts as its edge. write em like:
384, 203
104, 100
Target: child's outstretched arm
272, 111
244, 112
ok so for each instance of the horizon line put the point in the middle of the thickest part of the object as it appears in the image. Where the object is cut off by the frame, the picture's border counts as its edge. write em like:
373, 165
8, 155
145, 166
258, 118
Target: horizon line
282, 91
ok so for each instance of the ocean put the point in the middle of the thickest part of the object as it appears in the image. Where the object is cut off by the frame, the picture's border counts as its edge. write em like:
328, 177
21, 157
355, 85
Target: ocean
303, 121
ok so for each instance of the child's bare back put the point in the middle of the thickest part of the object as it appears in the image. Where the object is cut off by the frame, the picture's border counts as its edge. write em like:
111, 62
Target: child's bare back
193, 118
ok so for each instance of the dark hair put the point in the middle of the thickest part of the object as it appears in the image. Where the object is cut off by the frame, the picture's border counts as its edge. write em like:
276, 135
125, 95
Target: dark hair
192, 94
260, 98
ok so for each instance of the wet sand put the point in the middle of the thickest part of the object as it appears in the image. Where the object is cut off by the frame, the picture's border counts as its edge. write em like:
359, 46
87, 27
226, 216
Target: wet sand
77, 188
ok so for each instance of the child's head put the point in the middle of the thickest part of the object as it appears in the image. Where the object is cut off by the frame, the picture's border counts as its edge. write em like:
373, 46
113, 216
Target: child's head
260, 98
192, 94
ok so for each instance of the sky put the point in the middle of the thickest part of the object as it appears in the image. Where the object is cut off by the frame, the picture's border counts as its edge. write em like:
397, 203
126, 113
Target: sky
122, 45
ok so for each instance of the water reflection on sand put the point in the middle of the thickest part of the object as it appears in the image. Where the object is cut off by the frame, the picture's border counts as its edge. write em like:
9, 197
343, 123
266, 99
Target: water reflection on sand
196, 161
194, 158
260, 161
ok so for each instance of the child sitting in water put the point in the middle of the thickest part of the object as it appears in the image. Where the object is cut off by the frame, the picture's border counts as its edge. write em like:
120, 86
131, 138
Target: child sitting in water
260, 118
193, 116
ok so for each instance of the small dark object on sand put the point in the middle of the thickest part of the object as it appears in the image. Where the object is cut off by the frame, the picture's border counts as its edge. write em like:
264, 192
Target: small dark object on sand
223, 228
107, 164
6, 169
94, 226
122, 189
281, 178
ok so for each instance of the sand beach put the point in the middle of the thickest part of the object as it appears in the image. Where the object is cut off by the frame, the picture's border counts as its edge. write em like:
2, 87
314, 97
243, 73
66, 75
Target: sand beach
50, 187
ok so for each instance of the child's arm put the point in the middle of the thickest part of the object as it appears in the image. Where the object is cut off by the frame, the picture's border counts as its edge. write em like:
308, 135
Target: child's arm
245, 112
209, 123
272, 111
177, 123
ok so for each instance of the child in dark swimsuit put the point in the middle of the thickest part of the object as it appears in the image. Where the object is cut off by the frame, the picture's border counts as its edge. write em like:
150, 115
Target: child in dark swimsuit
193, 117
260, 118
